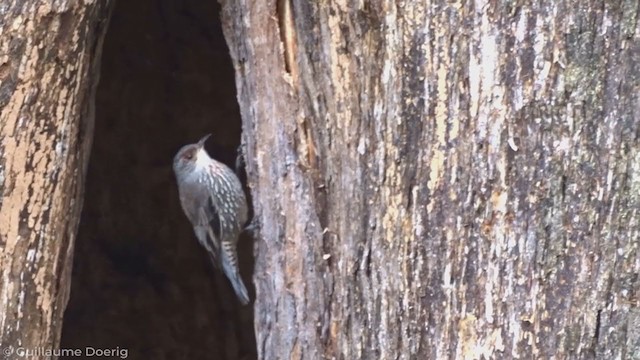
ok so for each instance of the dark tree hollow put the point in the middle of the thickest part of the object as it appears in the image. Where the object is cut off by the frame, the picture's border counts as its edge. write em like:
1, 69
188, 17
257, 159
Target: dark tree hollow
140, 280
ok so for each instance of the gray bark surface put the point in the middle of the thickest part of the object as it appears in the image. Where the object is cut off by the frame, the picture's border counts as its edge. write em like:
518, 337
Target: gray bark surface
451, 180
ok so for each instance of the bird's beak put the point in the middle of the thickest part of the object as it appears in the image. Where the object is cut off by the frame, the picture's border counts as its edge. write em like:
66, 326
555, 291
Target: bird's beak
203, 140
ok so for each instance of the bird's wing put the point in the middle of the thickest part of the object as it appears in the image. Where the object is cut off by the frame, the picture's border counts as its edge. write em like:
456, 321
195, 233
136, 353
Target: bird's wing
209, 221
210, 218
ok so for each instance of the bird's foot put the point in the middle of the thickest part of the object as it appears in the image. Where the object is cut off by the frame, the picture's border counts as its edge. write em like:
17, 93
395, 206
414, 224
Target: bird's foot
253, 227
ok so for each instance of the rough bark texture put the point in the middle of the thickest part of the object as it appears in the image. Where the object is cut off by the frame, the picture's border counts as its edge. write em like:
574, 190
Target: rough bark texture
141, 281
442, 180
48, 71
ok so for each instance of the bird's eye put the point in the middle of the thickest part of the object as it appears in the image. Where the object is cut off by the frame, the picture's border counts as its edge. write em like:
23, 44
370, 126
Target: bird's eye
188, 155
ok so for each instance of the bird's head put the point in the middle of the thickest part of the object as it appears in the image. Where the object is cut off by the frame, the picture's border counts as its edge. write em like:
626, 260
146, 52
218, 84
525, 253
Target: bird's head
189, 156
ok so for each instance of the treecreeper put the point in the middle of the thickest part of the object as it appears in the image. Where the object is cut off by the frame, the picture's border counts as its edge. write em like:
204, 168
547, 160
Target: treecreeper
213, 200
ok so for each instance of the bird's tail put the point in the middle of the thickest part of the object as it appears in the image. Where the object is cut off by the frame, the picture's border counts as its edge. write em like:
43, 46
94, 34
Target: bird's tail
233, 274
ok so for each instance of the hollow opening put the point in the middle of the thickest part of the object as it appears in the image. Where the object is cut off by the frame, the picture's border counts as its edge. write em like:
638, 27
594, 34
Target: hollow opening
140, 281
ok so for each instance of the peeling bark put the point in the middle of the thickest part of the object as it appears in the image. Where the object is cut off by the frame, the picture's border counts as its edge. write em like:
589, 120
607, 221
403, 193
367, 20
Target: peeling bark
442, 180
48, 72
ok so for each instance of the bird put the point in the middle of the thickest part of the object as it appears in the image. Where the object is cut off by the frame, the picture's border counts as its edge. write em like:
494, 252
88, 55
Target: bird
213, 200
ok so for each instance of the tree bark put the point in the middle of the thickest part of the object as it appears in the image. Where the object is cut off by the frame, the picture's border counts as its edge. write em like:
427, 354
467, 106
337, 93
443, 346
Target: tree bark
48, 73
442, 180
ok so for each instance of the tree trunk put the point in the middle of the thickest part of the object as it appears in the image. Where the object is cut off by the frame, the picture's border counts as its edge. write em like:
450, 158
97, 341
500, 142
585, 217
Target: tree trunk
442, 180
48, 73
